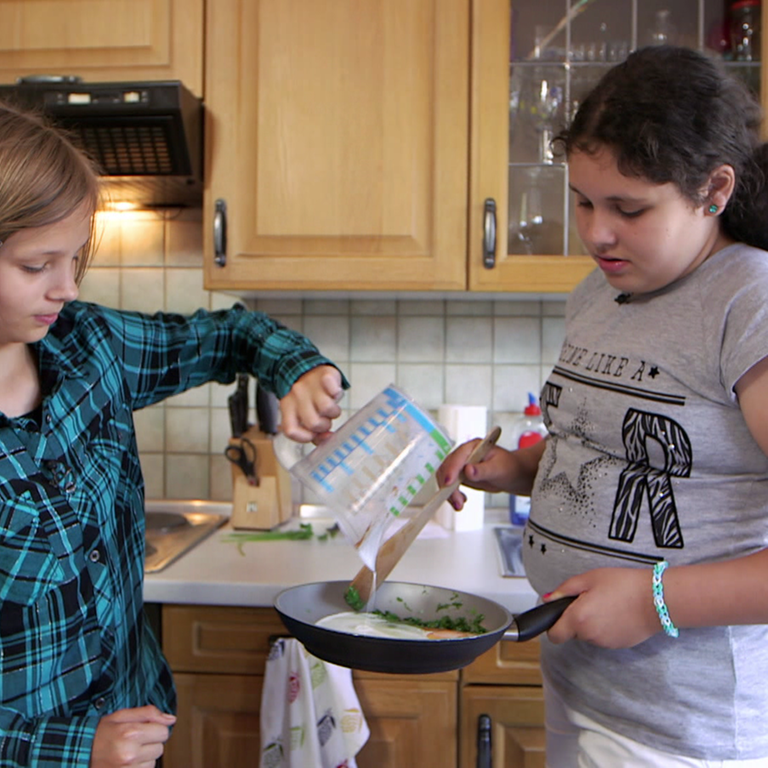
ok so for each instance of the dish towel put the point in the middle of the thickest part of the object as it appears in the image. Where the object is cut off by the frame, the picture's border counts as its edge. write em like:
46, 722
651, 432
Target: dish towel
310, 713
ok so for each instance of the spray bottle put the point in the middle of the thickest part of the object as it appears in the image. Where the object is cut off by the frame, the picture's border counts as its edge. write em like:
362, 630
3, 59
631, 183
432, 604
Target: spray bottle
529, 429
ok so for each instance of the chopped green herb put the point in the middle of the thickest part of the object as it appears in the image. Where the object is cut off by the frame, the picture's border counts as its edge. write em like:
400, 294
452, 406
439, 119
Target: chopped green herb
353, 599
459, 624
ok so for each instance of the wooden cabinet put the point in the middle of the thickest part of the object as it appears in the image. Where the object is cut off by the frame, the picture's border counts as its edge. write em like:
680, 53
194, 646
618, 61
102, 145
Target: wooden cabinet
354, 147
104, 40
505, 684
218, 656
337, 137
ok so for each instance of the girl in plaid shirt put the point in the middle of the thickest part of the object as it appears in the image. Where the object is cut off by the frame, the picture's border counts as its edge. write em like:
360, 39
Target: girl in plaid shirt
82, 678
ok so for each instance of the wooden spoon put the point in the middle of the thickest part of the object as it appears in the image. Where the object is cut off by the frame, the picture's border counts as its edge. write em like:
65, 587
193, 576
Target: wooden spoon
394, 547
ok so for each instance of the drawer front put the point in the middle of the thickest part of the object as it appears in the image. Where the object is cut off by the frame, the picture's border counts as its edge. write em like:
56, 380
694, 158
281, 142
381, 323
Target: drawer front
507, 663
225, 639
219, 638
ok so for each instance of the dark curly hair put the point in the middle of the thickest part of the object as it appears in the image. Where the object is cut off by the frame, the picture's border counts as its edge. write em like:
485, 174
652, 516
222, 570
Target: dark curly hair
672, 114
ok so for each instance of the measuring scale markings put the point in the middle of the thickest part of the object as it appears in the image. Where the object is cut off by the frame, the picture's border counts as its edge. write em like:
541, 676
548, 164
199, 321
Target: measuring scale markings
375, 473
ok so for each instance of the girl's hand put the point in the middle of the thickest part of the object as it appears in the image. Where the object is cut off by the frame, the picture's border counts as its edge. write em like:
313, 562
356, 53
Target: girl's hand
131, 737
310, 406
614, 609
489, 475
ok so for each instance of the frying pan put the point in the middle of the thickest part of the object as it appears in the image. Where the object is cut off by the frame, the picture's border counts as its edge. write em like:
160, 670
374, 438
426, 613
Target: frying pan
302, 606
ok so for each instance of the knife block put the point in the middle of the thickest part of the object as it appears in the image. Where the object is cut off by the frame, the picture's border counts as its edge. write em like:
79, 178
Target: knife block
266, 505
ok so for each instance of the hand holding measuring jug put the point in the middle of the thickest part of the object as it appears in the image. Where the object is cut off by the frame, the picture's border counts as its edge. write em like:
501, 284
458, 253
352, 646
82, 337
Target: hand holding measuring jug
372, 467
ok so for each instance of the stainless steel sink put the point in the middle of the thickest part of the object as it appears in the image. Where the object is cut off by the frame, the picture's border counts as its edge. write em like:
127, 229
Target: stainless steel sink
174, 527
509, 545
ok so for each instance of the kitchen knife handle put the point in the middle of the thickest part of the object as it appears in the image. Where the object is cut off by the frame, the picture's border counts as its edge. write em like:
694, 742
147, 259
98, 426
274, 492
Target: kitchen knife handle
530, 624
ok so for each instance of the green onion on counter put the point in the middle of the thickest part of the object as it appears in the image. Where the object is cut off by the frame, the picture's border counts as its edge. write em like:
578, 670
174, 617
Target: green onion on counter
304, 531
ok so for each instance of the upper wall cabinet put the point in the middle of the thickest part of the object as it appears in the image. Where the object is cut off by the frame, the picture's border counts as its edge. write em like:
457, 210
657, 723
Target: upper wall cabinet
337, 144
103, 40
405, 144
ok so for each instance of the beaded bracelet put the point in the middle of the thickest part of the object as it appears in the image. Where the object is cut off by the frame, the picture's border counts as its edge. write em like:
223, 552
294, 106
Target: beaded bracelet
658, 600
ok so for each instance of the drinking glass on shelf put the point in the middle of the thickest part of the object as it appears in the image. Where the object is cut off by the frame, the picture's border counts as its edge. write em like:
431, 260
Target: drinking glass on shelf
525, 233
545, 107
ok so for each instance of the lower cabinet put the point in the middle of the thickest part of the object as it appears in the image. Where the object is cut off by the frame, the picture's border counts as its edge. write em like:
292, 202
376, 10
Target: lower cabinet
218, 656
505, 684
417, 721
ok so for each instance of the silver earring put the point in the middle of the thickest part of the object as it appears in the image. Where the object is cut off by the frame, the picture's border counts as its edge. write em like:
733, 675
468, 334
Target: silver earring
713, 208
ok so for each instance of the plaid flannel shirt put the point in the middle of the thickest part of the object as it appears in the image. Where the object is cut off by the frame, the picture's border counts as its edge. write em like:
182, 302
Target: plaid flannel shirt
74, 644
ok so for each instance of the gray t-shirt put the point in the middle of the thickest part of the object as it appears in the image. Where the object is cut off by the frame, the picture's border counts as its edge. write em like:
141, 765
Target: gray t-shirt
650, 459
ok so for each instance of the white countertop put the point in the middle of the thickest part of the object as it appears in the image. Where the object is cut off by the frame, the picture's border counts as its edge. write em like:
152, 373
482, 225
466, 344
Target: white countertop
215, 572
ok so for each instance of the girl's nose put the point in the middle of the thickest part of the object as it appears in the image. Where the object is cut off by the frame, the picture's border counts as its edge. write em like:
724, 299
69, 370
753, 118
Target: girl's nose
597, 231
64, 286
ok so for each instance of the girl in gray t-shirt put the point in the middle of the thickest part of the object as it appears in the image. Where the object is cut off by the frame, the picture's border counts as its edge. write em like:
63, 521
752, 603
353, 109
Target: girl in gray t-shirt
649, 498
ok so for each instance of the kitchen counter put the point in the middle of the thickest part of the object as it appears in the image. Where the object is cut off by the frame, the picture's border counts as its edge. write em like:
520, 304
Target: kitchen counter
217, 572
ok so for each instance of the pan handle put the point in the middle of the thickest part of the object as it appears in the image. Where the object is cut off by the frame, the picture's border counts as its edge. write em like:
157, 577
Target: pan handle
526, 626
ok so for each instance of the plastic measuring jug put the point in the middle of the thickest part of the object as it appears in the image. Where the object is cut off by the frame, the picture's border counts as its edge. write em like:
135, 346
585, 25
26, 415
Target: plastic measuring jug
373, 466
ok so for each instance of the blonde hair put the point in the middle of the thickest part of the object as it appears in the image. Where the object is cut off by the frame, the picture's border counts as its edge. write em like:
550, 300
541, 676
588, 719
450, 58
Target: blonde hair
44, 177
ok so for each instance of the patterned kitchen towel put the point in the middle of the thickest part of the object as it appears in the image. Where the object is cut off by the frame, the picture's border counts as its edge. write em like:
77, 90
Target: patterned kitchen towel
310, 714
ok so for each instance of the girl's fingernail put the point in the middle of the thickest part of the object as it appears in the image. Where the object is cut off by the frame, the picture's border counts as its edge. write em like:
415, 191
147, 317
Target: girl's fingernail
547, 596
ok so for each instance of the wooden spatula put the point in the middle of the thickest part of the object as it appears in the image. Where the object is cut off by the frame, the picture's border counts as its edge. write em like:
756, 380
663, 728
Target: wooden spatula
394, 547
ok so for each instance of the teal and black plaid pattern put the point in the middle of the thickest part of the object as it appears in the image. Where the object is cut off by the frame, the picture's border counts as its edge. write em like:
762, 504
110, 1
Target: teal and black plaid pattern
74, 644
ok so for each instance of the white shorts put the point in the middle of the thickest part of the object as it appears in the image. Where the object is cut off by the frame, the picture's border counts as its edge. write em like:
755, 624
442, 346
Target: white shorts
576, 741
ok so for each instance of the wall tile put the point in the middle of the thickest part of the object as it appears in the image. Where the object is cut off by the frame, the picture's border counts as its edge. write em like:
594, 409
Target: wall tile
511, 385
468, 384
553, 335
153, 469
469, 340
142, 241
468, 307
516, 308
184, 290
516, 340
101, 286
373, 339
420, 339
326, 307
197, 396
187, 430
409, 307
424, 383
367, 380
221, 478
221, 430
187, 476
143, 290
281, 307
150, 429
330, 334
373, 307
183, 239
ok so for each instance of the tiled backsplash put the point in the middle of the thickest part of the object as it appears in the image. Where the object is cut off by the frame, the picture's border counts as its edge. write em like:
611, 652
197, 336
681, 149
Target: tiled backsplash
489, 352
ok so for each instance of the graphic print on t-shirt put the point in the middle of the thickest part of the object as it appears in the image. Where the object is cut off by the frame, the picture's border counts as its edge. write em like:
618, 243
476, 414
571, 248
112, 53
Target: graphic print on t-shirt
640, 479
650, 449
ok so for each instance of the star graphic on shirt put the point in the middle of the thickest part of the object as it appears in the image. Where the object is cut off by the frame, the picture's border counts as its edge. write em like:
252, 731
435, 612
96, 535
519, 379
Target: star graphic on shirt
530, 541
543, 549
654, 372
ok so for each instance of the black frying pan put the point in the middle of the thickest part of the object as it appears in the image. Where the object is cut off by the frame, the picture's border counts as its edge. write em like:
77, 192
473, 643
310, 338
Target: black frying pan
301, 607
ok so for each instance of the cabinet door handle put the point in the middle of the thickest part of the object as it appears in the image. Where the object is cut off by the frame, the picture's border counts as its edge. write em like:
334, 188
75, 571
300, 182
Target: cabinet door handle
484, 748
220, 233
489, 233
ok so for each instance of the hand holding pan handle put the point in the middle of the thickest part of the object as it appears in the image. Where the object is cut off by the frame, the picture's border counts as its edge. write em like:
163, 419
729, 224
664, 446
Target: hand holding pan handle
526, 626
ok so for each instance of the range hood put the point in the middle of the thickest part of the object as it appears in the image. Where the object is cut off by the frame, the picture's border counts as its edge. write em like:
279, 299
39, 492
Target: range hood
146, 137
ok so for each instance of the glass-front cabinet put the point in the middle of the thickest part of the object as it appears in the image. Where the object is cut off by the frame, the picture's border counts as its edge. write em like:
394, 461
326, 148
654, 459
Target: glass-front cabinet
557, 52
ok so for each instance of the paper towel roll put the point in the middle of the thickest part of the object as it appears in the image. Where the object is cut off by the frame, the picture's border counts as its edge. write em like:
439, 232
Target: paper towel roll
462, 423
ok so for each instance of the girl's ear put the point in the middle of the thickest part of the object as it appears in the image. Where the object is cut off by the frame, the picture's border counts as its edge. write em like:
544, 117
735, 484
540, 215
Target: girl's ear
720, 187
